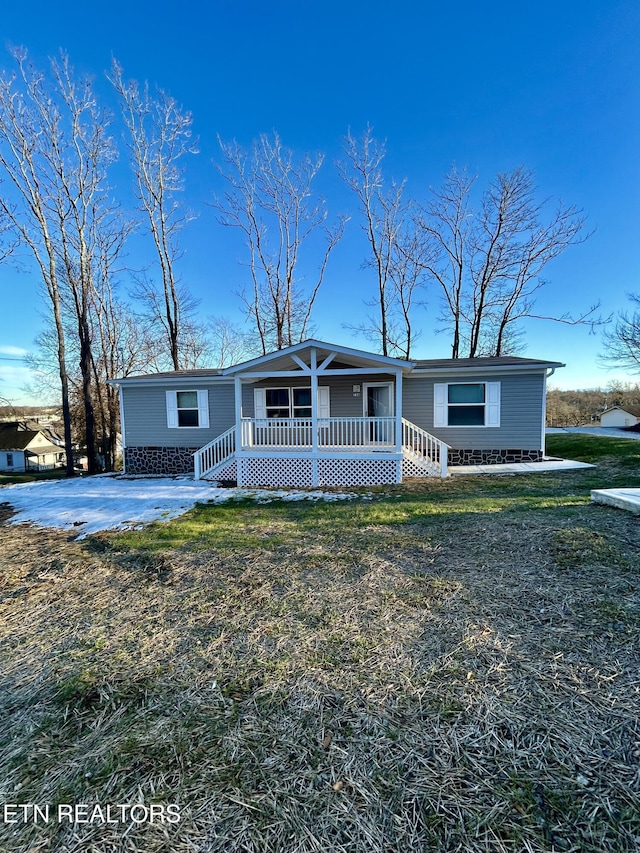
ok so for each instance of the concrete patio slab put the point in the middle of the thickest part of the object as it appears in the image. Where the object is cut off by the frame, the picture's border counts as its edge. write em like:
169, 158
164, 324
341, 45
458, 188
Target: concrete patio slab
628, 499
520, 467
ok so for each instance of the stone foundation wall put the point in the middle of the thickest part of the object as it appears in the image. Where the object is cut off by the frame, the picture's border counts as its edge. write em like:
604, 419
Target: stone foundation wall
159, 460
179, 460
461, 456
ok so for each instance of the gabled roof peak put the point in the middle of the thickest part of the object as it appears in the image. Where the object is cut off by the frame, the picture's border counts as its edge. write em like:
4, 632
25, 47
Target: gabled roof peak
324, 349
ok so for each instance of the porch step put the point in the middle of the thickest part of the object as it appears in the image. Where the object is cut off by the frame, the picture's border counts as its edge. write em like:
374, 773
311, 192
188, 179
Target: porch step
421, 461
215, 456
424, 450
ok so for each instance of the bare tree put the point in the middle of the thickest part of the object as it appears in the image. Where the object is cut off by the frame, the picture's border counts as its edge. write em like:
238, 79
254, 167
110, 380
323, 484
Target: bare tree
446, 223
57, 151
489, 262
383, 212
159, 139
397, 247
622, 342
270, 201
410, 256
192, 346
26, 115
91, 231
121, 344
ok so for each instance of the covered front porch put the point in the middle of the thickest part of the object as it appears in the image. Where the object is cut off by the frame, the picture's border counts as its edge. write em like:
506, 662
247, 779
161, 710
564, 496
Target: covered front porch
318, 414
325, 435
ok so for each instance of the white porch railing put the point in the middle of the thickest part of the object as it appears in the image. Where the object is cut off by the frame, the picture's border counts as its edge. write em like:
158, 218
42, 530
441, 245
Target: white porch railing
213, 454
277, 432
351, 435
424, 448
333, 433
356, 432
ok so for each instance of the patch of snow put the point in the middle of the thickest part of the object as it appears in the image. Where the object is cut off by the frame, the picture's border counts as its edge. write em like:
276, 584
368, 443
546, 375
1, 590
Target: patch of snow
107, 502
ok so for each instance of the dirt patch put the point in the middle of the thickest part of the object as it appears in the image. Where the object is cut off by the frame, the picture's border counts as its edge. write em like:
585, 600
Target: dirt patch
6, 511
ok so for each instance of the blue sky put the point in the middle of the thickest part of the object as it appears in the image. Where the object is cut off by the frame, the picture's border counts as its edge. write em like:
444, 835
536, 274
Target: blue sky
554, 86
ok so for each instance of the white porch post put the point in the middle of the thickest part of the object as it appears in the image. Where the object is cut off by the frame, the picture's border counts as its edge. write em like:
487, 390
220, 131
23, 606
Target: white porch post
399, 423
444, 460
543, 438
314, 416
238, 399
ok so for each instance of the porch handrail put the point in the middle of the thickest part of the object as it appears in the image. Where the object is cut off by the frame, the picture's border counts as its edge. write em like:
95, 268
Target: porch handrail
209, 457
338, 433
430, 450
357, 432
277, 432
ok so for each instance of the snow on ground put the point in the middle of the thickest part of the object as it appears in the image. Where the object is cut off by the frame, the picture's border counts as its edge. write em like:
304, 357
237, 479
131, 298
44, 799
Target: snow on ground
105, 502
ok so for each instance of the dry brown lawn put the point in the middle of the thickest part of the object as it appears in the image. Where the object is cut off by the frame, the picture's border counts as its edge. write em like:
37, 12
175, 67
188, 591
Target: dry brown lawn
386, 676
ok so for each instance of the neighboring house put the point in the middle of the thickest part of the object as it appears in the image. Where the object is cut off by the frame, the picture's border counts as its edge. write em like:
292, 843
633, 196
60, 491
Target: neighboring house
322, 414
23, 449
616, 416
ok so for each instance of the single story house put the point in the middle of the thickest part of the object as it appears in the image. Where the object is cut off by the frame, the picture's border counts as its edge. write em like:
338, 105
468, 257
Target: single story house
616, 416
323, 414
23, 449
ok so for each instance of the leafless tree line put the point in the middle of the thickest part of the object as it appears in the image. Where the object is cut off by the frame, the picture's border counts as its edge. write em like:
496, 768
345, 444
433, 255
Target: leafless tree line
56, 153
584, 408
484, 258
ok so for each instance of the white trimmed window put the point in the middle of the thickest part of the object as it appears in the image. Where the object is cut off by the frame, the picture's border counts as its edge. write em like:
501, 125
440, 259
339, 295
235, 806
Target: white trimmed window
466, 404
9, 460
289, 402
187, 409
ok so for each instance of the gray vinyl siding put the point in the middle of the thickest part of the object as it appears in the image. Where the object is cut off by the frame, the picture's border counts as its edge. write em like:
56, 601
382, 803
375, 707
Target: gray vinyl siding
145, 410
520, 411
521, 407
343, 403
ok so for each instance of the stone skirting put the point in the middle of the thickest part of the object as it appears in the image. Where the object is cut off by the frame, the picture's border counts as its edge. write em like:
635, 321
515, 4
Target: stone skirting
272, 472
461, 456
159, 460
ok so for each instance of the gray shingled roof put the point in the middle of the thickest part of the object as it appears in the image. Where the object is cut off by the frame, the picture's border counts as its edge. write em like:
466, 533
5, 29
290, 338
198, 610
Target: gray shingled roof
421, 364
488, 361
176, 374
15, 439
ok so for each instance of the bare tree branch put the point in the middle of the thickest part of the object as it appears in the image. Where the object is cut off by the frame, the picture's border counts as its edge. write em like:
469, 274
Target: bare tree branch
399, 252
488, 262
159, 138
622, 342
270, 201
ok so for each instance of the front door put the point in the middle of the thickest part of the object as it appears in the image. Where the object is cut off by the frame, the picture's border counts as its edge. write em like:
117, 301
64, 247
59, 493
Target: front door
378, 403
